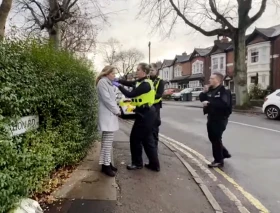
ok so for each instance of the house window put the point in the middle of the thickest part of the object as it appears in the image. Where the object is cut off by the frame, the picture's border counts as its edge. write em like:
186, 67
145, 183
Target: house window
221, 62
263, 78
193, 84
253, 79
254, 56
215, 63
197, 67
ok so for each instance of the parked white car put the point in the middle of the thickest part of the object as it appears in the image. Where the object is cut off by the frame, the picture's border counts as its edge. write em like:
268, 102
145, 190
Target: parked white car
271, 105
177, 96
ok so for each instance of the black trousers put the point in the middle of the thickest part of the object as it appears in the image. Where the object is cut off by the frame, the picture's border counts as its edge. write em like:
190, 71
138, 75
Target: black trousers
215, 130
142, 136
157, 125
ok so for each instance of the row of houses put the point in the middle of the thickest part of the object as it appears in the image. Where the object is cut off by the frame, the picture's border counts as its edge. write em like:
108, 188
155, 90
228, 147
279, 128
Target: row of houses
194, 69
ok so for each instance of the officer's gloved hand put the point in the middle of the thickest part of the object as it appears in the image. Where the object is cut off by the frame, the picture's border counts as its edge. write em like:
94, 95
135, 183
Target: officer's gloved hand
115, 83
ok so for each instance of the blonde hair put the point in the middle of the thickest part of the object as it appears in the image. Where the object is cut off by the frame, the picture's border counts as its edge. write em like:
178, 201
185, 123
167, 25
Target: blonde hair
105, 71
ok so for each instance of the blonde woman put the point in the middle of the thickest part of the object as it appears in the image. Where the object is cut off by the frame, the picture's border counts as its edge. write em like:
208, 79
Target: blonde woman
108, 112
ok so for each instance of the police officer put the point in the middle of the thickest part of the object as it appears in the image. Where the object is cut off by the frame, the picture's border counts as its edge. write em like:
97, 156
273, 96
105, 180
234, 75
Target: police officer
217, 104
143, 97
159, 88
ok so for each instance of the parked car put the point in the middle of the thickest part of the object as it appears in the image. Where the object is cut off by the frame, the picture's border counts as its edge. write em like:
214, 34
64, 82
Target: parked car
170, 91
196, 91
177, 96
125, 105
271, 105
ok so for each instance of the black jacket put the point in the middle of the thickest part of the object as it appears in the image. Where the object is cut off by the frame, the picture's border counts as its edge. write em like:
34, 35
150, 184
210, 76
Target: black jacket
219, 106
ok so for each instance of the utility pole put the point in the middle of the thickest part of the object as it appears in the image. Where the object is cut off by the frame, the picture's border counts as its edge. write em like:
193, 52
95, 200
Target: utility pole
149, 52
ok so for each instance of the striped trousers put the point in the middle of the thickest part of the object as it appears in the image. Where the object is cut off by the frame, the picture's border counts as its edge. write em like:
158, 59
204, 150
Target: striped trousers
106, 148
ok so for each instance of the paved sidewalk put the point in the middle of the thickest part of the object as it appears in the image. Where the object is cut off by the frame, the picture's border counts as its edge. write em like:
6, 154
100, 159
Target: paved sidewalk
197, 104
172, 190
87, 190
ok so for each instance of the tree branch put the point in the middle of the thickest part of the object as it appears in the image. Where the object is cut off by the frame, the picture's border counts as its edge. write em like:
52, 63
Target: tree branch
219, 16
258, 14
226, 32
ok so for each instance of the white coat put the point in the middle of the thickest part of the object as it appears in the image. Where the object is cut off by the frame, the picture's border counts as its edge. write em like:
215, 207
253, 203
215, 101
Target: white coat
108, 108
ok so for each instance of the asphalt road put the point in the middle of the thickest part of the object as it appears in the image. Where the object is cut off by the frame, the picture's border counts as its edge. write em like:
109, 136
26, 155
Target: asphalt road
253, 141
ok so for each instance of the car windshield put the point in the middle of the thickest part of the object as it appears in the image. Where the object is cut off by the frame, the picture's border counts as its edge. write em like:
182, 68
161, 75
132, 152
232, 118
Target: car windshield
186, 90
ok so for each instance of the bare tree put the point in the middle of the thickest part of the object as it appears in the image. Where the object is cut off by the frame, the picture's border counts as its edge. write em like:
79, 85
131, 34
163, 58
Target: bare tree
128, 60
55, 15
5, 8
125, 61
110, 51
78, 35
211, 18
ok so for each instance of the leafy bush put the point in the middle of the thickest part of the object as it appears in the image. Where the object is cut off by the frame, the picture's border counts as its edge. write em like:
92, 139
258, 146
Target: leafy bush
256, 92
60, 89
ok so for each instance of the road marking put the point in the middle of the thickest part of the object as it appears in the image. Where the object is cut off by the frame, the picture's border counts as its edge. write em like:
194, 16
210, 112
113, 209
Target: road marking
257, 127
200, 165
233, 198
254, 201
242, 124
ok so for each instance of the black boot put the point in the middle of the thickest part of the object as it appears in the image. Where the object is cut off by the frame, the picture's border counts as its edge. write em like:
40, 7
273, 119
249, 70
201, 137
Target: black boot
113, 168
108, 171
133, 167
216, 164
153, 168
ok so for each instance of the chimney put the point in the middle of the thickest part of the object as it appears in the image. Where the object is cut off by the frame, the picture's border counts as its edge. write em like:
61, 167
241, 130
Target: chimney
184, 53
224, 40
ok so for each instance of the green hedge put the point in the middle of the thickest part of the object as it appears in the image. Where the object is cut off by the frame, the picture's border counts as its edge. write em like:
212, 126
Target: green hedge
60, 89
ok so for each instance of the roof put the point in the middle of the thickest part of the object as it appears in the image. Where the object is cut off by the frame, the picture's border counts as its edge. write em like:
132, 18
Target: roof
181, 58
270, 32
203, 51
167, 63
180, 78
197, 76
220, 47
158, 64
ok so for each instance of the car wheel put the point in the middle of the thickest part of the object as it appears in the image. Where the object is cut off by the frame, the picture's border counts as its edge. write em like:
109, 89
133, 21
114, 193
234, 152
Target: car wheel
175, 99
272, 112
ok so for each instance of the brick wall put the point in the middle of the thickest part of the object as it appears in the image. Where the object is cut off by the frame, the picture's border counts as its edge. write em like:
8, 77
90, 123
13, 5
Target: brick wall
230, 63
186, 68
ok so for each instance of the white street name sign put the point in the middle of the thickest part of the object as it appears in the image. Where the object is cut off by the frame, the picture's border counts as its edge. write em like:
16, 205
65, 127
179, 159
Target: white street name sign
25, 124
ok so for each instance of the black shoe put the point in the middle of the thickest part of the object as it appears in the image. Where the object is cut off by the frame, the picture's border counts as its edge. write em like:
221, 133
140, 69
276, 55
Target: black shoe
133, 167
227, 156
108, 171
215, 164
153, 168
113, 168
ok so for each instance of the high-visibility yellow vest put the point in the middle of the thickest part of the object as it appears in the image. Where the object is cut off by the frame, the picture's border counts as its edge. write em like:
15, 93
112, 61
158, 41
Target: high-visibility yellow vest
146, 98
156, 83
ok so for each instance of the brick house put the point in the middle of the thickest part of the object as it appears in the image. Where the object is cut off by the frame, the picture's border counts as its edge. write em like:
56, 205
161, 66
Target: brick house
182, 71
200, 63
222, 61
263, 50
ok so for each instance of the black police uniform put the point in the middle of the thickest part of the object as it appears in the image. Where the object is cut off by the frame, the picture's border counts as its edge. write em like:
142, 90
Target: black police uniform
142, 130
159, 92
218, 111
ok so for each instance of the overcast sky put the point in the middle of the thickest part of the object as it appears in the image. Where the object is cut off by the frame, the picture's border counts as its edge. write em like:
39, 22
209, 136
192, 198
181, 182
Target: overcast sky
135, 33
